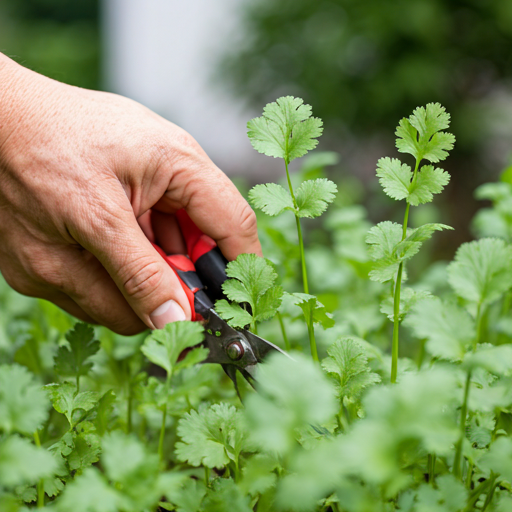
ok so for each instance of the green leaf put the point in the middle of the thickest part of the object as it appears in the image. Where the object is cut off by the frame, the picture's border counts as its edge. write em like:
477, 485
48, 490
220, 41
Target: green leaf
23, 403
23, 463
292, 394
89, 492
314, 196
212, 436
164, 346
409, 297
234, 314
73, 360
313, 309
497, 360
252, 282
271, 198
388, 250
420, 135
86, 447
347, 364
103, 412
480, 429
226, 496
448, 496
448, 329
498, 458
429, 181
481, 271
66, 400
188, 498
285, 130
394, 177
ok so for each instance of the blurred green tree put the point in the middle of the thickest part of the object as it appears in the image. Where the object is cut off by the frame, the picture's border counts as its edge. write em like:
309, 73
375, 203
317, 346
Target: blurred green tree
363, 64
58, 38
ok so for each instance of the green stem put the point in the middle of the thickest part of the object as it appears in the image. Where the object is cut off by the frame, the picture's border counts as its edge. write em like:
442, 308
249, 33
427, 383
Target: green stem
431, 469
473, 497
77, 384
162, 435
469, 475
207, 476
396, 323
40, 484
490, 494
457, 462
129, 407
309, 322
283, 332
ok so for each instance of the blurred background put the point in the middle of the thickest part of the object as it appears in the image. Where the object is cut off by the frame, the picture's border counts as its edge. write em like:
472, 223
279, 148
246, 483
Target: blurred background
362, 65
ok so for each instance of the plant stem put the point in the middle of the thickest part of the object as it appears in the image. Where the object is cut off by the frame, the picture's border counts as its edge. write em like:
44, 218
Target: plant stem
469, 475
40, 484
162, 435
431, 469
283, 332
457, 462
490, 494
129, 400
309, 322
77, 384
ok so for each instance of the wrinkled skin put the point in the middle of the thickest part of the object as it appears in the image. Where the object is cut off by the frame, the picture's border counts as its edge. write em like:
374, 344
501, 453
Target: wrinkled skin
87, 179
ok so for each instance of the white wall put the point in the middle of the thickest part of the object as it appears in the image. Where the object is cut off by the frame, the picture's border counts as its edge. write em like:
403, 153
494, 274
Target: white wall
162, 52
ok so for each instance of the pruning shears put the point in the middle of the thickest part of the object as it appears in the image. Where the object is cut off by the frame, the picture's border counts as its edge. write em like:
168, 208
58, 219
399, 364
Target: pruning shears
201, 273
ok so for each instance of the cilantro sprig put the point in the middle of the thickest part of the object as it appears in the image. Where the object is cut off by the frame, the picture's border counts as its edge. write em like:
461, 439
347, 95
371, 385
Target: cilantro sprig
391, 245
288, 130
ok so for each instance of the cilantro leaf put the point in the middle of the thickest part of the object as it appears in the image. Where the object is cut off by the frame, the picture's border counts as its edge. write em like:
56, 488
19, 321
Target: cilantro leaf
67, 401
226, 496
164, 346
86, 447
347, 364
388, 250
189, 496
395, 177
292, 394
420, 135
23, 404
397, 181
23, 463
449, 495
72, 360
408, 299
313, 197
447, 327
498, 458
481, 271
252, 282
497, 360
88, 492
285, 130
314, 311
212, 436
271, 198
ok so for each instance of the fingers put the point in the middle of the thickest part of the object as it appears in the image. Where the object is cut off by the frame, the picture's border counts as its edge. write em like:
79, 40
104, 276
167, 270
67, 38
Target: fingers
211, 200
146, 281
167, 233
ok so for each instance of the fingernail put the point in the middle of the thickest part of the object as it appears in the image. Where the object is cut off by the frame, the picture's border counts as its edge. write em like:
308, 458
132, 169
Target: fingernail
168, 312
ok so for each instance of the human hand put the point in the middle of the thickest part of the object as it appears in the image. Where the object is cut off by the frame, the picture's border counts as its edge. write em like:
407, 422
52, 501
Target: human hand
77, 169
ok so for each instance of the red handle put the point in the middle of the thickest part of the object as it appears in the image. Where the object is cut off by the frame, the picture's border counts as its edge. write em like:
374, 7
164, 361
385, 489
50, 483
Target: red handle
179, 262
197, 242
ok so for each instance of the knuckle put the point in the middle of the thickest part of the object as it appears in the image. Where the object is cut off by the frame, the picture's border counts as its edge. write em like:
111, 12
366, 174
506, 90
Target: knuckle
248, 221
142, 278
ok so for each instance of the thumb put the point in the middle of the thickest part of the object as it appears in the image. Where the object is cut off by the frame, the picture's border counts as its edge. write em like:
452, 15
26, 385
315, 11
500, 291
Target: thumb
145, 279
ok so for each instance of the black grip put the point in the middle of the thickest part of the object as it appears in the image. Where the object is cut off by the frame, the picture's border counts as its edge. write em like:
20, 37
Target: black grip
211, 269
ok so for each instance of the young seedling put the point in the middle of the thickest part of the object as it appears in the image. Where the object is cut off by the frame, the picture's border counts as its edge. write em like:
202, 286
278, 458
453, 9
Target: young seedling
391, 245
287, 130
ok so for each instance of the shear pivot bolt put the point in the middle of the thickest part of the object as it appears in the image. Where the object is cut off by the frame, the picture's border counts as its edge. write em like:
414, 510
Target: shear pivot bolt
235, 350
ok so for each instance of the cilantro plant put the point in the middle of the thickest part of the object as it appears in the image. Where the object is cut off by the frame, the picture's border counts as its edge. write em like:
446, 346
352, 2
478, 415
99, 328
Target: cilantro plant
95, 422
287, 130
392, 244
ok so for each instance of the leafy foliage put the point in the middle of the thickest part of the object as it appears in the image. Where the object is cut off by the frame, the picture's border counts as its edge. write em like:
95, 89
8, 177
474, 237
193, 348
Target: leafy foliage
253, 283
73, 360
285, 130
